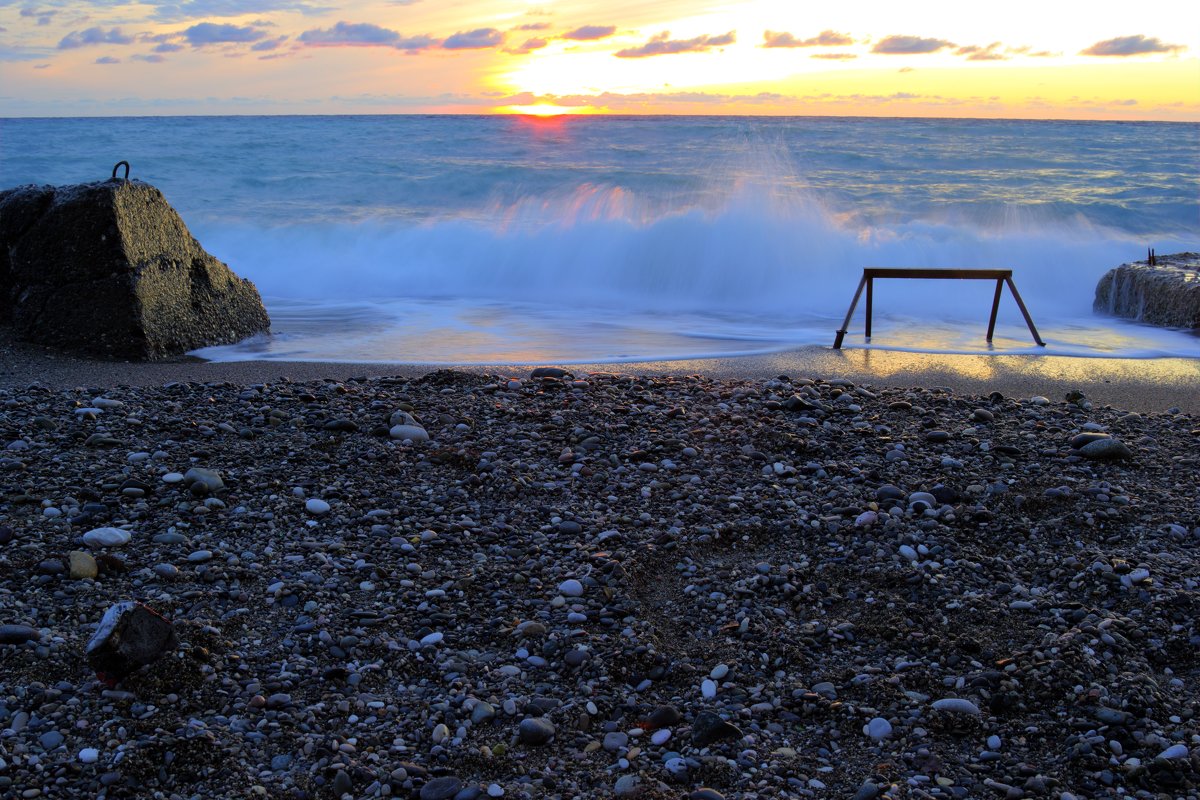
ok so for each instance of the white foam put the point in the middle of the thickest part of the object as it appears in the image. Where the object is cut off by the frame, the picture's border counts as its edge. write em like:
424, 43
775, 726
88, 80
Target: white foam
601, 275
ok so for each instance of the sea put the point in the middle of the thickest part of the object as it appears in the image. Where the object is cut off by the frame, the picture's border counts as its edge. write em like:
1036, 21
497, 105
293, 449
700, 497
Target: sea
572, 239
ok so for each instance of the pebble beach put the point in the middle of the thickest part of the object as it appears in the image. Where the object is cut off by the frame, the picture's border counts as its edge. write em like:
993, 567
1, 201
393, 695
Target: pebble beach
590, 584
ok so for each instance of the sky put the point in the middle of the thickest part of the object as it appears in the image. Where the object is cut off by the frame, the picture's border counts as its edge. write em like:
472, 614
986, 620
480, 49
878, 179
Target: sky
1030, 59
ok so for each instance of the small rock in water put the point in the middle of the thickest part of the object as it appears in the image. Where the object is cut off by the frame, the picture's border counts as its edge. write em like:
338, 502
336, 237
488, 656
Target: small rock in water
130, 635
106, 537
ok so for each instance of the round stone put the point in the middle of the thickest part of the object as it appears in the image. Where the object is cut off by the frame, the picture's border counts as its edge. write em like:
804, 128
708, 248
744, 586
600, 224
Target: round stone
570, 588
878, 728
535, 731
316, 506
106, 537
411, 432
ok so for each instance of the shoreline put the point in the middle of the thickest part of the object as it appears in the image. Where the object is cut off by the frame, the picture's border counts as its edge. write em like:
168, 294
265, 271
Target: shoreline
1143, 385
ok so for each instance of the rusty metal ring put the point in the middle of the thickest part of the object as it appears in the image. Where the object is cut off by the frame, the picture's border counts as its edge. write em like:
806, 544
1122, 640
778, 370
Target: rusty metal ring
118, 166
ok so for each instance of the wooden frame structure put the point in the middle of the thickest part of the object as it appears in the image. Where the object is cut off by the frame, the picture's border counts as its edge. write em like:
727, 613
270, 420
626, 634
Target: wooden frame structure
1000, 276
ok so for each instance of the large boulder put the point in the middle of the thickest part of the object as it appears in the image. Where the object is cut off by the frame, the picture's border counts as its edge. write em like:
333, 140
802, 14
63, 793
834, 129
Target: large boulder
1167, 293
109, 268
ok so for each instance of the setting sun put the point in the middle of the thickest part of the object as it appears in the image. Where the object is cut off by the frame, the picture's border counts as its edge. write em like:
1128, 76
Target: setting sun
545, 110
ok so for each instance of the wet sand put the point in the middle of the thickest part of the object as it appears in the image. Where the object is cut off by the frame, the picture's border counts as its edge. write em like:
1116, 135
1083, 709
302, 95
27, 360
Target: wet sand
1143, 385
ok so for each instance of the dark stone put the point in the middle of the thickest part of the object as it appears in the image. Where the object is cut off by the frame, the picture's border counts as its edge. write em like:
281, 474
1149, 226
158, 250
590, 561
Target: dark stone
705, 793
550, 372
441, 788
944, 494
709, 728
798, 403
342, 425
937, 437
535, 731
109, 268
6, 534
1080, 439
130, 636
1105, 450
51, 566
664, 716
889, 492
18, 634
868, 791
342, 784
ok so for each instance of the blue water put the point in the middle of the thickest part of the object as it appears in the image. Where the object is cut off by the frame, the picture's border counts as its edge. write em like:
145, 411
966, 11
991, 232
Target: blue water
451, 239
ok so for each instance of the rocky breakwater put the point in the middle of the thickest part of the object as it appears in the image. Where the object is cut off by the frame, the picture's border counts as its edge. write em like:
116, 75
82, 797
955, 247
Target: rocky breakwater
110, 269
1166, 292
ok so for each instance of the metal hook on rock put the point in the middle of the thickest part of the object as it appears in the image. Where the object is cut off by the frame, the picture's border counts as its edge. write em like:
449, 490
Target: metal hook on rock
117, 166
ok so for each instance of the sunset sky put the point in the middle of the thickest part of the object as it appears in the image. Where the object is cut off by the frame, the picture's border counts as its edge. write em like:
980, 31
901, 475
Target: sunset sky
1062, 59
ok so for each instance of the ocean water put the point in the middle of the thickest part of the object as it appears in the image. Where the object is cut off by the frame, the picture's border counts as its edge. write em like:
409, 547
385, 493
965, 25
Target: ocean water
487, 239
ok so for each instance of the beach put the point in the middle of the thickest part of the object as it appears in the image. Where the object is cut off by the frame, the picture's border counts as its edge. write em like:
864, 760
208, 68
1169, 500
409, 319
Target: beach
815, 574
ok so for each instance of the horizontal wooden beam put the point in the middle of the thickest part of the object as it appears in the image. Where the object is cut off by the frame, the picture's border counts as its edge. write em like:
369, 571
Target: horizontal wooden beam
956, 274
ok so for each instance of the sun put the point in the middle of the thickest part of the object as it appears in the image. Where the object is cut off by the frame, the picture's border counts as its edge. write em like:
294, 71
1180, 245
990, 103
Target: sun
544, 110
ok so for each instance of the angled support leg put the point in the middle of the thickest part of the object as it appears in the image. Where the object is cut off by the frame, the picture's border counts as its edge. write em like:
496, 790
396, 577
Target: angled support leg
995, 308
870, 305
841, 333
1012, 287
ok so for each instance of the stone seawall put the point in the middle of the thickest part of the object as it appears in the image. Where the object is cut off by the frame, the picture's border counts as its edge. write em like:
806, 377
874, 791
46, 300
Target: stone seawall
1167, 293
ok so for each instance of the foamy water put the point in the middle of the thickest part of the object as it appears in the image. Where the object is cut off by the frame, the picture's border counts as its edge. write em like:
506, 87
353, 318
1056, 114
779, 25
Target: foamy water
494, 240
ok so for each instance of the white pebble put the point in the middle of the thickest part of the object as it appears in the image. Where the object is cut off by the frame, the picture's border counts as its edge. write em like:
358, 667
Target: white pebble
719, 672
432, 638
89, 755
495, 790
106, 537
316, 506
708, 688
660, 736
